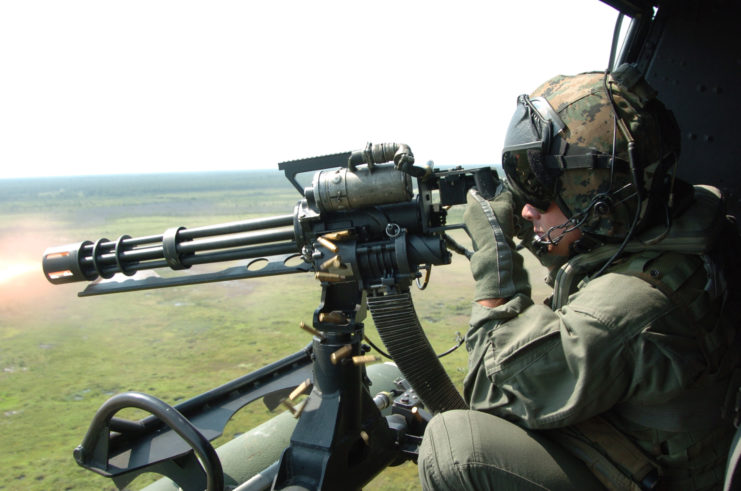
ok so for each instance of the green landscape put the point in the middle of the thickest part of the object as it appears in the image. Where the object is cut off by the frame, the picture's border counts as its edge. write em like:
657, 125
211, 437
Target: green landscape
62, 356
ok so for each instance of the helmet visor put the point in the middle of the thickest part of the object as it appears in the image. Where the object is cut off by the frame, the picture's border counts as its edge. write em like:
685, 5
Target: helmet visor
518, 167
528, 141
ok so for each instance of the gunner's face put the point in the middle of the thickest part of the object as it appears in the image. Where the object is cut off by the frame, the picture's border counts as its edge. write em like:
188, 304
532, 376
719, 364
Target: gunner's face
543, 221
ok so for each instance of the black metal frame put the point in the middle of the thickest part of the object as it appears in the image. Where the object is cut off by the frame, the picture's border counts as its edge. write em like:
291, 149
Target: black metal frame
167, 441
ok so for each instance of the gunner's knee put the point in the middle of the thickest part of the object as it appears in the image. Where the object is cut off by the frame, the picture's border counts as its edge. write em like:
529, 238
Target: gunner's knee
443, 448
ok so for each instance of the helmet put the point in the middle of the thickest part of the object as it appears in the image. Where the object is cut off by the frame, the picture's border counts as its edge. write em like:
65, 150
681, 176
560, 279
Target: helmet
597, 144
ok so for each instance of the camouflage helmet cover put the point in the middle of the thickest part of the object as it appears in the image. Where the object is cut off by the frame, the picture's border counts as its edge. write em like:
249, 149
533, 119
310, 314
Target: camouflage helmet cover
606, 193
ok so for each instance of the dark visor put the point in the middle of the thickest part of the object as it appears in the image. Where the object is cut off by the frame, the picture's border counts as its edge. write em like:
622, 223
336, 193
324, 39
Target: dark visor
528, 140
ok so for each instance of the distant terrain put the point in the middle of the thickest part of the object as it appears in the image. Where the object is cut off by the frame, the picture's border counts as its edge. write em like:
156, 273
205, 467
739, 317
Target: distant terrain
62, 356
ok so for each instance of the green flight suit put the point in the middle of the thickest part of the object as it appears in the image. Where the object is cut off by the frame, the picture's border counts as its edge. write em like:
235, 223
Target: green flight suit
644, 346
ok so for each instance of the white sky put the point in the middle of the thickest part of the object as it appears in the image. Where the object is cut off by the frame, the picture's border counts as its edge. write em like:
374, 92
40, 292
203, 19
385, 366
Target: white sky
93, 87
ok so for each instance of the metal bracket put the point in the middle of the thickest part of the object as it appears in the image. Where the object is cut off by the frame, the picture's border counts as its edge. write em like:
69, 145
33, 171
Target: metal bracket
276, 265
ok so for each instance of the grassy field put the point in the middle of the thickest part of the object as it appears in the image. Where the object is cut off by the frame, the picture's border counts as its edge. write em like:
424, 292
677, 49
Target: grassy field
62, 356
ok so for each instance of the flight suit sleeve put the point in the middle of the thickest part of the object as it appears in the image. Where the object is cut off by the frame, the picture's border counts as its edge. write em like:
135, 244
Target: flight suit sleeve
548, 369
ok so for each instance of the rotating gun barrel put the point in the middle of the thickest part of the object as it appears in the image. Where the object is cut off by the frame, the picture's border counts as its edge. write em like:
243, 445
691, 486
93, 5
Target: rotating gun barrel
176, 248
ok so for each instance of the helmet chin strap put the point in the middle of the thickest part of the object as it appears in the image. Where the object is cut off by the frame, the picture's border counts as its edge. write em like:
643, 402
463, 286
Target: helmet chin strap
540, 244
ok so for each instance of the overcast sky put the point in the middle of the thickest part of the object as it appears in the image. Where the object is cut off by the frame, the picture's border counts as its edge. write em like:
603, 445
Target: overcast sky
92, 87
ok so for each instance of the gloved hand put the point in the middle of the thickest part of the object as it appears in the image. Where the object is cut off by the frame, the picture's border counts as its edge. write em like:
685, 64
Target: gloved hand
497, 268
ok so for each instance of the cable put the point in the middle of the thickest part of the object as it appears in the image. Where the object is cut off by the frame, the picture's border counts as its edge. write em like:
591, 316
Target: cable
458, 342
380, 351
456, 246
615, 38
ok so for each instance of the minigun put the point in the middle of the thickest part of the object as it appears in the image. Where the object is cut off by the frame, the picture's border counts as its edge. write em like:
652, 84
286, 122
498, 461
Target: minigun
366, 236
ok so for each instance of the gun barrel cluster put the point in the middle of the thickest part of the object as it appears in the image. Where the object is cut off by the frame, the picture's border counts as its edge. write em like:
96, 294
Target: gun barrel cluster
176, 248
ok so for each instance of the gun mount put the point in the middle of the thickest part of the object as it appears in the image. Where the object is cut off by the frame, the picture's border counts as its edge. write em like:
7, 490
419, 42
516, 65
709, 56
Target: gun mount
367, 237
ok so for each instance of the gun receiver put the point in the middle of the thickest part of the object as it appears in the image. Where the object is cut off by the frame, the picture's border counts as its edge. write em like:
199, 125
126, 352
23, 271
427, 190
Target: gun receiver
366, 236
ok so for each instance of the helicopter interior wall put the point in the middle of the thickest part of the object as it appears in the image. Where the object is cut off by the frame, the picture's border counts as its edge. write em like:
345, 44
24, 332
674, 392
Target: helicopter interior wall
692, 55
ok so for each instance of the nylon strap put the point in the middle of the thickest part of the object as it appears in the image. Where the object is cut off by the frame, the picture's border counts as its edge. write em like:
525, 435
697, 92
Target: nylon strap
582, 158
604, 469
620, 449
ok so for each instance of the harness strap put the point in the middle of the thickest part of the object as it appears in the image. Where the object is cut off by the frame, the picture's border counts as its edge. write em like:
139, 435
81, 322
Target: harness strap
619, 448
616, 461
